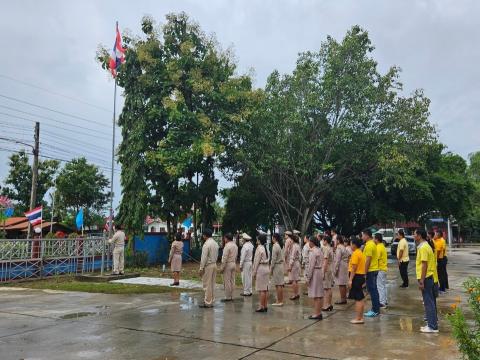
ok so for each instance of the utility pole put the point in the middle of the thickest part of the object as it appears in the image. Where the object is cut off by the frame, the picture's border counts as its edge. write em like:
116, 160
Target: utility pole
53, 205
33, 193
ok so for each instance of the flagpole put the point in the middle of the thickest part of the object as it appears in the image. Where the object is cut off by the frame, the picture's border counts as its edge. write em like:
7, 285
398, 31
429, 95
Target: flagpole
110, 226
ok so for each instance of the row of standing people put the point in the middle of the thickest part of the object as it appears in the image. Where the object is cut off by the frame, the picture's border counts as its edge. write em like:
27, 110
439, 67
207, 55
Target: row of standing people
346, 265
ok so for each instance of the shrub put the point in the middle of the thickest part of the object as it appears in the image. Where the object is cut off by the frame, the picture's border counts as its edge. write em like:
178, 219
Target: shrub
137, 260
50, 235
467, 333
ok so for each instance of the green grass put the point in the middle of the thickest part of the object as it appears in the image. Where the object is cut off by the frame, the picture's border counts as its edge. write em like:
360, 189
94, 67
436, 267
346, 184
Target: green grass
68, 283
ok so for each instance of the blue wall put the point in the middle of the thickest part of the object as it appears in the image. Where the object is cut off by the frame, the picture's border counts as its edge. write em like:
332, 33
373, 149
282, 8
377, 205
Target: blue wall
157, 247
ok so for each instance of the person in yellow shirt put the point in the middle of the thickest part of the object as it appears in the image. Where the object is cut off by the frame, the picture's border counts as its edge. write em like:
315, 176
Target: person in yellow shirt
356, 268
371, 264
430, 237
382, 270
403, 258
440, 253
425, 269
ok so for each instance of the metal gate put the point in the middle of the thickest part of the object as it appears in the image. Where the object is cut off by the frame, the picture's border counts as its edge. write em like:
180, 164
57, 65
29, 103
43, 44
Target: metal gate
37, 258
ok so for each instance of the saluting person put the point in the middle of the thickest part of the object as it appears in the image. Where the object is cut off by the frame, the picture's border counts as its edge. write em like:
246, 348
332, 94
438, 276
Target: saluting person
228, 267
208, 267
118, 241
246, 258
175, 258
277, 268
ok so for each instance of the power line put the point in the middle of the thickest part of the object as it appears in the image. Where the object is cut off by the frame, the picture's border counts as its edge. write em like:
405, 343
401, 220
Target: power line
43, 117
56, 138
54, 93
52, 110
75, 154
56, 126
104, 168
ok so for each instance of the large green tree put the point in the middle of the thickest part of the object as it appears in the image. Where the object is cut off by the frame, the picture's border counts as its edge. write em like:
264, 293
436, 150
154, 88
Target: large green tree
182, 98
81, 185
18, 184
247, 208
334, 119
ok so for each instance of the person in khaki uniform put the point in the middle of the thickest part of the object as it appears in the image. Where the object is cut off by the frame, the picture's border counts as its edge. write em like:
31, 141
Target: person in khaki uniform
287, 249
261, 272
246, 258
228, 267
277, 268
208, 267
118, 241
175, 258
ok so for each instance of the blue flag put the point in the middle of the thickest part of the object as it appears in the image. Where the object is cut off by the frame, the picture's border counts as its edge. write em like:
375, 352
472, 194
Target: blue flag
8, 212
187, 223
79, 219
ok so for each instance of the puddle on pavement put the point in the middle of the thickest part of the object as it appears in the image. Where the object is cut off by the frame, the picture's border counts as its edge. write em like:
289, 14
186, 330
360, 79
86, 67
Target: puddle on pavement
102, 310
187, 302
77, 315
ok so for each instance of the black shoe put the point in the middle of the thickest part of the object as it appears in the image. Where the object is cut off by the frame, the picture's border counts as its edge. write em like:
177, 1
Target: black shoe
226, 300
122, 273
295, 297
113, 274
403, 286
341, 302
318, 317
205, 306
330, 308
261, 310
243, 294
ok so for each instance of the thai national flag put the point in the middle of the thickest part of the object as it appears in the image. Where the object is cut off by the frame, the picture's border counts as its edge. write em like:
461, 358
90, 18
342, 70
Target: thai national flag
34, 216
118, 54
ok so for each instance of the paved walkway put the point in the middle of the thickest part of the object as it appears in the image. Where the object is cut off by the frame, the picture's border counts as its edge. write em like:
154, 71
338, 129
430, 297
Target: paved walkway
37, 324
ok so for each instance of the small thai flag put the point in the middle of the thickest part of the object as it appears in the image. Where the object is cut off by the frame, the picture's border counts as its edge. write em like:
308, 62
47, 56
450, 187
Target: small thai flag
34, 216
118, 54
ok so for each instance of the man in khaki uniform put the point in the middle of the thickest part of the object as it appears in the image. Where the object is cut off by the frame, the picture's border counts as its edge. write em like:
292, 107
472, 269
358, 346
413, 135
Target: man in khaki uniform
230, 252
246, 259
208, 267
118, 241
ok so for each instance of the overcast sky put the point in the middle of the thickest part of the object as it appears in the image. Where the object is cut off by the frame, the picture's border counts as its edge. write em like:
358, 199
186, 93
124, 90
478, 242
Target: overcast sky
48, 59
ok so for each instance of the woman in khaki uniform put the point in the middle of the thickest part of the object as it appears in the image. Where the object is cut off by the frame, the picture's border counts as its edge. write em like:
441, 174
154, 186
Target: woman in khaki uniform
277, 268
175, 258
327, 272
340, 269
261, 272
314, 275
294, 267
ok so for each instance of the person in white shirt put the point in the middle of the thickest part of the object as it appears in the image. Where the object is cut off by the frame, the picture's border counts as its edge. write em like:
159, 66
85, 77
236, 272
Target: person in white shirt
246, 257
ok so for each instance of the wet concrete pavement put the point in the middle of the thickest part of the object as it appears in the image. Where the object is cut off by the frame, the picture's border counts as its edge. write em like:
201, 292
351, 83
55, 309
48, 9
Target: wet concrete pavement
36, 324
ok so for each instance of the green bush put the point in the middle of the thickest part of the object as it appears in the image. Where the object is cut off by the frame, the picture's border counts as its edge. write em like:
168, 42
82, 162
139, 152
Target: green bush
467, 333
137, 260
50, 235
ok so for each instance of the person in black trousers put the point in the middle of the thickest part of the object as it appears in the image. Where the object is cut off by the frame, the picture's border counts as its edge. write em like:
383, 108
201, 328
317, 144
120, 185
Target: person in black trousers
403, 258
